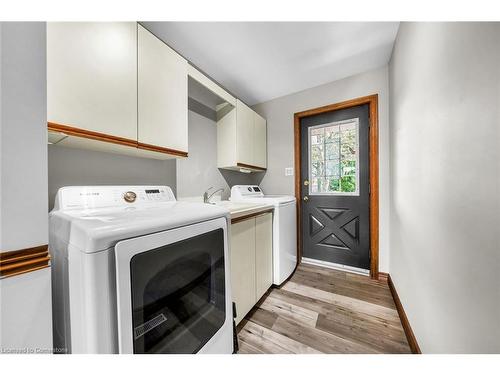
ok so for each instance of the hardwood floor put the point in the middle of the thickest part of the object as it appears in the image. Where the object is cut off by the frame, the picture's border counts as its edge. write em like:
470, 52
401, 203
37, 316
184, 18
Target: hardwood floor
320, 310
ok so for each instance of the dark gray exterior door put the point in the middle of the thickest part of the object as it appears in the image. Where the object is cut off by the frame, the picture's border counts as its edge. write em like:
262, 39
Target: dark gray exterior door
335, 191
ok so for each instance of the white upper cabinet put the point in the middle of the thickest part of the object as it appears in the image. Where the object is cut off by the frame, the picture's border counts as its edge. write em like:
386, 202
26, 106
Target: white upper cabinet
162, 94
120, 81
241, 138
92, 76
244, 134
116, 87
259, 141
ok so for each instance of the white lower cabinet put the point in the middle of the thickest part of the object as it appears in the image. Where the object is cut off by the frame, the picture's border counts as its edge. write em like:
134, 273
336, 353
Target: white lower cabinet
243, 266
251, 261
263, 254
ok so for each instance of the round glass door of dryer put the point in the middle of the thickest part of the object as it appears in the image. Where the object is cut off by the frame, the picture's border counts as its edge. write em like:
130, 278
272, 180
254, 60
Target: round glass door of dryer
178, 295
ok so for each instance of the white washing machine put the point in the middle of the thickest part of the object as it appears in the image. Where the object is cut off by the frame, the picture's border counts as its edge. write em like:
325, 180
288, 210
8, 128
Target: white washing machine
135, 271
284, 227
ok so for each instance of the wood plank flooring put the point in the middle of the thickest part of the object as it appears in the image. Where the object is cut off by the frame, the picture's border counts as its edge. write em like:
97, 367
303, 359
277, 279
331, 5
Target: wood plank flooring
320, 310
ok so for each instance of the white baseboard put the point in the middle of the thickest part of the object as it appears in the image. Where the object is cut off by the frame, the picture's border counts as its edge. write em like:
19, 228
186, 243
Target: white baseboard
336, 266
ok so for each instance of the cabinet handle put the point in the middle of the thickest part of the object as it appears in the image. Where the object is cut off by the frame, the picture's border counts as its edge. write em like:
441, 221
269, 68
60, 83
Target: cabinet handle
306, 198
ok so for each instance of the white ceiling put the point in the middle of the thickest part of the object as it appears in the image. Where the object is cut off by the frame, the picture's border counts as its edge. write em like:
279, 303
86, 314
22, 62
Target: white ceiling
259, 61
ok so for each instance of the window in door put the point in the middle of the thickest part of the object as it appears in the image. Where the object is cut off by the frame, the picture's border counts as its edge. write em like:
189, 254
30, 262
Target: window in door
334, 158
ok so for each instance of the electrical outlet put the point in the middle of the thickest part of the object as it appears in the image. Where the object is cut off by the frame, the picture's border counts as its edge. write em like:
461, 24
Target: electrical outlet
289, 171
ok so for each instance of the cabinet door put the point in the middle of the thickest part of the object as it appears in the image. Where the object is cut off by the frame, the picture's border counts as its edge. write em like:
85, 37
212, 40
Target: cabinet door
92, 76
260, 141
226, 138
243, 266
263, 253
162, 94
244, 133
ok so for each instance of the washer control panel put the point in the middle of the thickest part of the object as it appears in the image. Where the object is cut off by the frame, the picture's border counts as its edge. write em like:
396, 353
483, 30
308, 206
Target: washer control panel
89, 197
242, 191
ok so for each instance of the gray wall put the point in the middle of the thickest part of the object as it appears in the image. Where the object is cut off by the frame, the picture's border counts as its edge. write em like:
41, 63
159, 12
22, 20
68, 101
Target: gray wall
279, 114
445, 123
69, 166
199, 171
23, 136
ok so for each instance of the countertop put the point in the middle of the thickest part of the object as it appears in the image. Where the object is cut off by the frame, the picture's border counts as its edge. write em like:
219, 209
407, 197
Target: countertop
240, 210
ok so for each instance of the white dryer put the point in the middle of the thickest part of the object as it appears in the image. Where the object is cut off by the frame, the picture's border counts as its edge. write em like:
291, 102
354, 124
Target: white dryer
284, 227
135, 271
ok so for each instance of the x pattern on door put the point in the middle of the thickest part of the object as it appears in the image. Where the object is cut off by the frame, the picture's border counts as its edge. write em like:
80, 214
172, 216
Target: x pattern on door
336, 228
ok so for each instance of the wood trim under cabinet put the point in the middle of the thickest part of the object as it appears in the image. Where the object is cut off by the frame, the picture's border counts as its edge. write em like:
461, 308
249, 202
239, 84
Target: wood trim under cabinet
249, 166
372, 101
164, 150
17, 262
82, 133
249, 216
410, 336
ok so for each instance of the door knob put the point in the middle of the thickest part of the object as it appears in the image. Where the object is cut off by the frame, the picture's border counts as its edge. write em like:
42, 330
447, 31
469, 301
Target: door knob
306, 182
306, 198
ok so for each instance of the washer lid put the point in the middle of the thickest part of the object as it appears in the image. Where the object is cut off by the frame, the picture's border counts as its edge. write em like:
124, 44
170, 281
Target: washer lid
93, 230
280, 199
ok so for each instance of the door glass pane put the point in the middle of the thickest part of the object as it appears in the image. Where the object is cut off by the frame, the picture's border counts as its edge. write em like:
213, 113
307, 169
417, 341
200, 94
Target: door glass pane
178, 295
318, 169
332, 168
334, 158
317, 154
332, 150
317, 136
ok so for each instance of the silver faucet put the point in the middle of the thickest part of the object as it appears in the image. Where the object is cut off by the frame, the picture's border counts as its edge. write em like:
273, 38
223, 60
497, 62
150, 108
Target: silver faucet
206, 196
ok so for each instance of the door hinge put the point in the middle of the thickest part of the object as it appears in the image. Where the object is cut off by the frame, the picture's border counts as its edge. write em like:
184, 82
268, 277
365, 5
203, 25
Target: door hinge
369, 188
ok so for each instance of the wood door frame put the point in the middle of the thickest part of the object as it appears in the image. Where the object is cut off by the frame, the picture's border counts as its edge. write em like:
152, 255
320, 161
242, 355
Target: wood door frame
372, 101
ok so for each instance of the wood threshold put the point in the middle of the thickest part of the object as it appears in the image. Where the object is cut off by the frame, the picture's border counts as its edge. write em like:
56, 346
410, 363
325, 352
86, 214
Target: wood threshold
17, 262
249, 166
410, 336
372, 101
249, 216
102, 137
